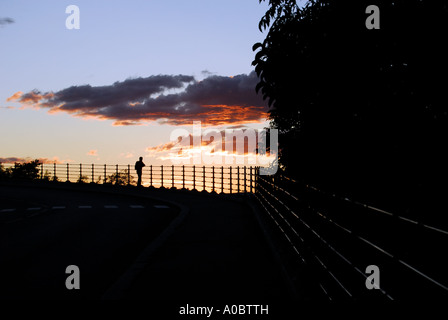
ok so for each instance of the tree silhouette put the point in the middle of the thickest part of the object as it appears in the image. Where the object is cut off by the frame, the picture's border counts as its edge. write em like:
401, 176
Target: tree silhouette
120, 178
357, 106
21, 171
3, 172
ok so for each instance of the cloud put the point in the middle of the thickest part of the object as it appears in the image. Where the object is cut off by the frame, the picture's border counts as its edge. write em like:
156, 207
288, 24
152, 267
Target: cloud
216, 100
162, 147
127, 155
177, 144
92, 153
28, 159
5, 21
15, 96
233, 143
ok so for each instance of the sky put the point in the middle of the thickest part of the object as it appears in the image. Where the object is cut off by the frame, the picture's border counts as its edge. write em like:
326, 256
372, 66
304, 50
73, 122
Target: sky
134, 72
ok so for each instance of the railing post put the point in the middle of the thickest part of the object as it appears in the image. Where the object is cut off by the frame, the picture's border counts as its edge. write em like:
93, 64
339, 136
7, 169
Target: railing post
105, 173
251, 183
150, 175
80, 172
93, 173
68, 173
222, 179
255, 180
238, 177
245, 177
116, 174
129, 174
203, 178
161, 173
194, 177
172, 176
54, 171
183, 176
213, 178
230, 179
41, 171
257, 172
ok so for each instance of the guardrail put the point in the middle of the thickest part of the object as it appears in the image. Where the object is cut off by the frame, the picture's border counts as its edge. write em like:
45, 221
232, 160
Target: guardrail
209, 178
336, 238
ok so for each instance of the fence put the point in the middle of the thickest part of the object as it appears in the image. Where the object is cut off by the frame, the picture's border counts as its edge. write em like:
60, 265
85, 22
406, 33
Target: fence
211, 179
334, 239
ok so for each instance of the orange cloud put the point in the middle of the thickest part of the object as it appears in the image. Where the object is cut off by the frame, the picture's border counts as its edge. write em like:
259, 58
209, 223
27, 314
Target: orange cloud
122, 123
162, 147
233, 144
15, 96
32, 97
55, 160
92, 153
127, 155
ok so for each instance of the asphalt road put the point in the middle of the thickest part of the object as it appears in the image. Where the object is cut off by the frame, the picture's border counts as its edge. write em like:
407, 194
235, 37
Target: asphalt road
43, 231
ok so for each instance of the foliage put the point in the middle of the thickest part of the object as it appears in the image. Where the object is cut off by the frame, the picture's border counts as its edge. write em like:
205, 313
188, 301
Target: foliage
83, 179
48, 176
120, 178
3, 172
353, 104
31, 171
21, 171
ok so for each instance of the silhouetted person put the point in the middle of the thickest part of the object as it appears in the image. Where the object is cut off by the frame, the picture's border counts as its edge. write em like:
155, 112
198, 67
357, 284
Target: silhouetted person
138, 167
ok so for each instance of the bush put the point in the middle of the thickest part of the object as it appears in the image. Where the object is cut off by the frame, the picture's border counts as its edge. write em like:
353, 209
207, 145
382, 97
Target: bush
23, 171
4, 173
83, 179
120, 178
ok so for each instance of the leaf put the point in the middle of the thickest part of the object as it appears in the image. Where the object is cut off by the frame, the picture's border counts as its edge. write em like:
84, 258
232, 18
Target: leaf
260, 54
256, 46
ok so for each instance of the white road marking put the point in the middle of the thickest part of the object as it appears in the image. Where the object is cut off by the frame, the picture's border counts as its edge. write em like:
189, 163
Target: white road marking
161, 207
136, 207
111, 207
7, 210
58, 207
84, 207
33, 209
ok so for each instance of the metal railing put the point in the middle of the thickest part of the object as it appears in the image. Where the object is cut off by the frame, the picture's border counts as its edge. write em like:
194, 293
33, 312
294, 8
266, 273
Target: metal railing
209, 178
335, 238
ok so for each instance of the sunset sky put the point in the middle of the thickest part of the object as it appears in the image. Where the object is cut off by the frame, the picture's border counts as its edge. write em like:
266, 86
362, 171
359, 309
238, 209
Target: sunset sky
135, 71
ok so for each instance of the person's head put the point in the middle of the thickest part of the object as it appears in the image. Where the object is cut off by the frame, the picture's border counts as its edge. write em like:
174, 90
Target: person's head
141, 158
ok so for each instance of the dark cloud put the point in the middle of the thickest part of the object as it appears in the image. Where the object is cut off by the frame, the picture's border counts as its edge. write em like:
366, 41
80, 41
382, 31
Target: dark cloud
5, 21
216, 100
28, 159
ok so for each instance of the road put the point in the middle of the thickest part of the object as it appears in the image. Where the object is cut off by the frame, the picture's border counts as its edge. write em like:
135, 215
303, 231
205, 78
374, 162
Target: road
43, 231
